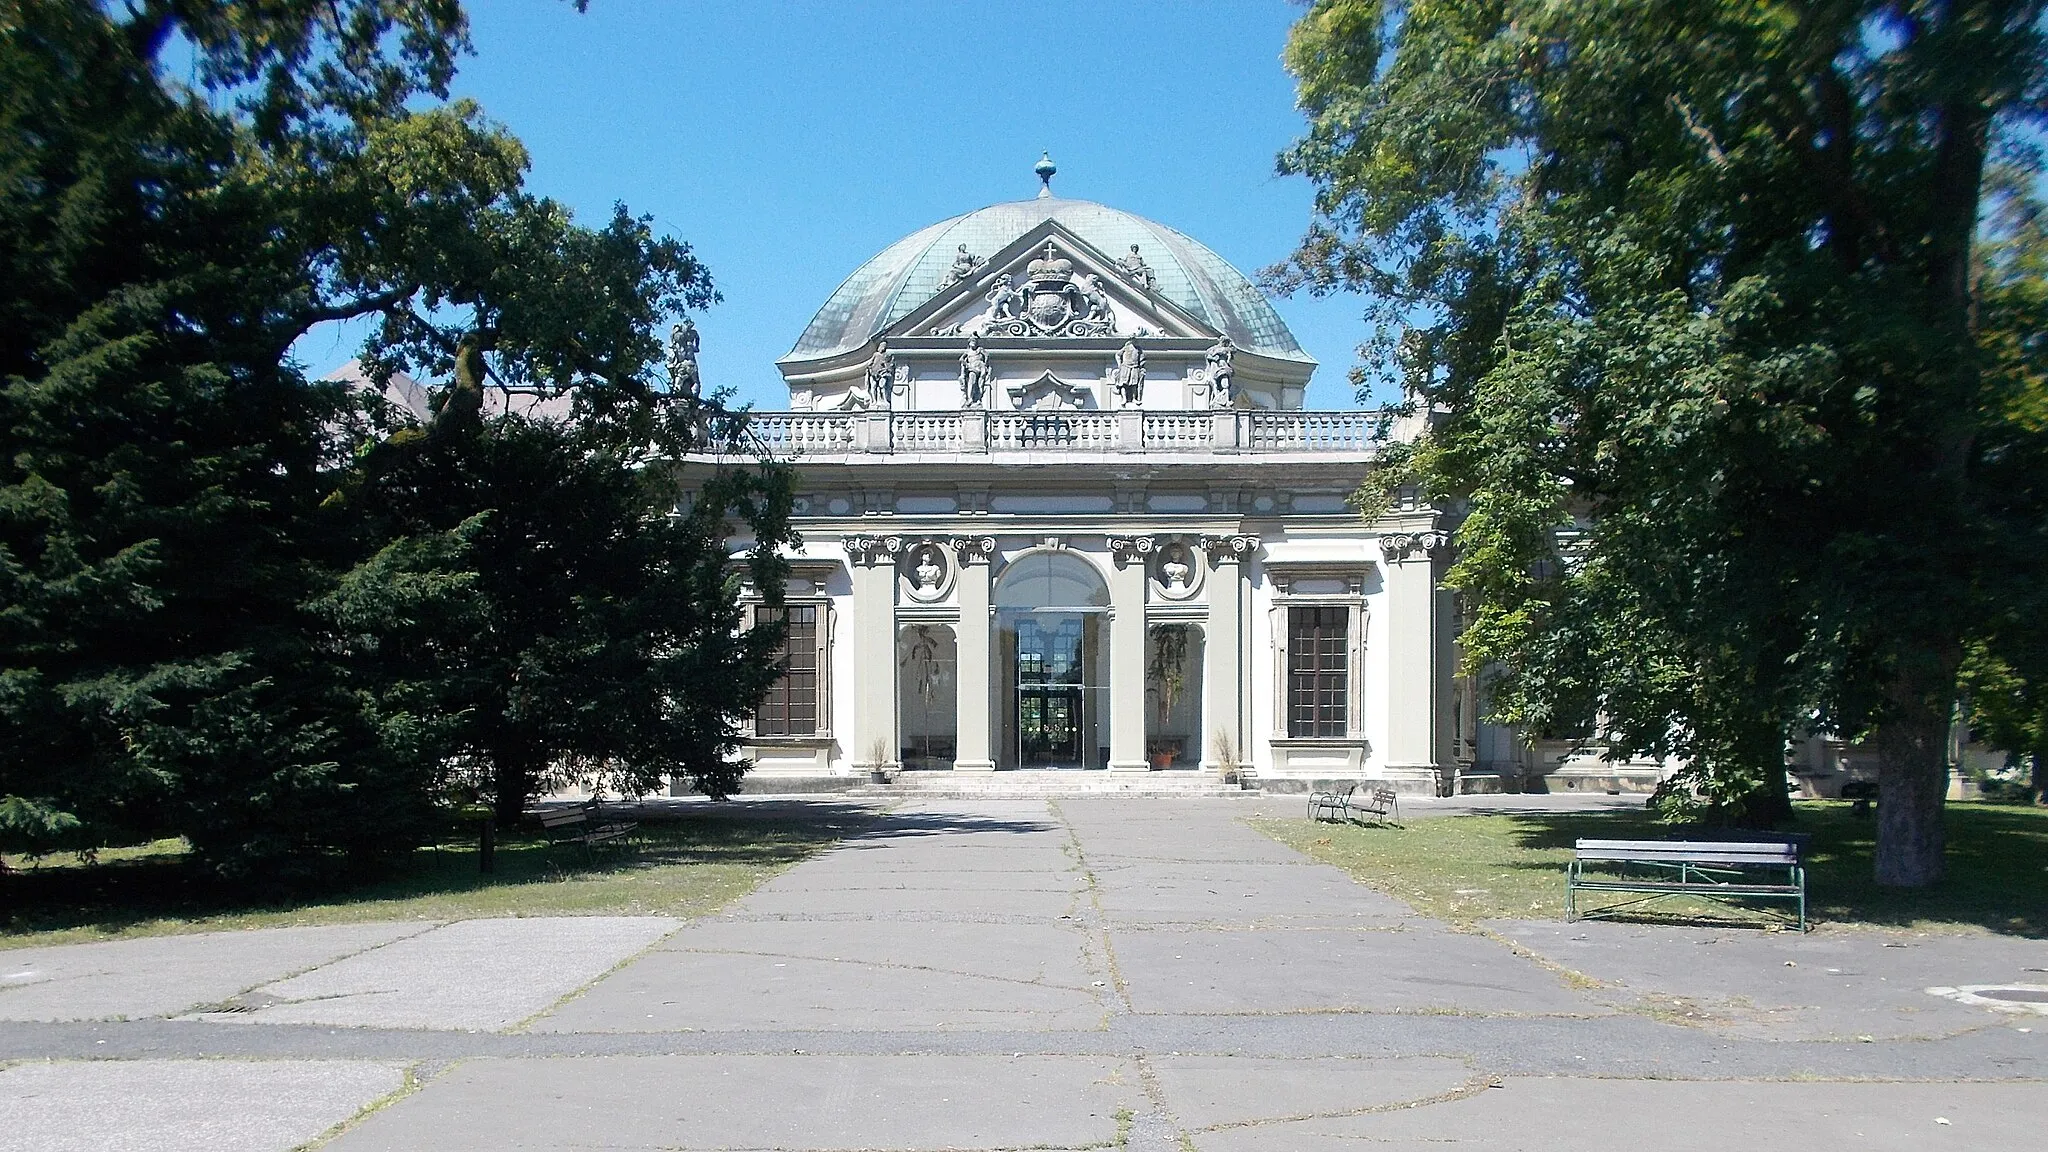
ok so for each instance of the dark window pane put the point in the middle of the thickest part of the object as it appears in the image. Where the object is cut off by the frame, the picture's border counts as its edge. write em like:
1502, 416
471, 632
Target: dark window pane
1317, 673
791, 707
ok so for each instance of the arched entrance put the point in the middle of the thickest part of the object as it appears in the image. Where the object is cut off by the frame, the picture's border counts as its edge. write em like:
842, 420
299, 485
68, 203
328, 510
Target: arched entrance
1052, 656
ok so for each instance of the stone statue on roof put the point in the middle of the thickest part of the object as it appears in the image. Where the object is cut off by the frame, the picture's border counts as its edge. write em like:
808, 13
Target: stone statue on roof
964, 264
1004, 299
683, 373
1127, 375
974, 372
1098, 300
881, 375
1136, 270
1222, 373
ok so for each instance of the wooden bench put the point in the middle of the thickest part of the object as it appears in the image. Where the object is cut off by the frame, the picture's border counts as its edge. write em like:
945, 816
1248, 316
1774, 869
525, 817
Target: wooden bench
1713, 869
584, 824
1379, 804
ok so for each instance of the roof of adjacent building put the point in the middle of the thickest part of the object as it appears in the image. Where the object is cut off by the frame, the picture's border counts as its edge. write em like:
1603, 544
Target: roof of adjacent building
911, 271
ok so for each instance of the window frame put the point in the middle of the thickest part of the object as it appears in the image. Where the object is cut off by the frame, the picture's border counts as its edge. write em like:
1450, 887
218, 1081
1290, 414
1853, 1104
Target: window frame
821, 690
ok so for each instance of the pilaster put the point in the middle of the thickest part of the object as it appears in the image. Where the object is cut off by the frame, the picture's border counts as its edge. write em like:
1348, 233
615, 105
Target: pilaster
1416, 692
975, 555
872, 632
1223, 650
1127, 653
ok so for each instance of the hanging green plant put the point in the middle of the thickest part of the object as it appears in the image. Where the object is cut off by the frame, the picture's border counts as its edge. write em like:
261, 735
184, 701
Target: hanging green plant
1168, 670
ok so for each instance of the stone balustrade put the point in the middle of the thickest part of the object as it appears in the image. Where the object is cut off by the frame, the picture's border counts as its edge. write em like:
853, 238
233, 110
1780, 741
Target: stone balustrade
795, 434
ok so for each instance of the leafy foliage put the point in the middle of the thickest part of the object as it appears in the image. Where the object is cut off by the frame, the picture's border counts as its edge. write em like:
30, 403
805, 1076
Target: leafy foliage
1693, 297
234, 603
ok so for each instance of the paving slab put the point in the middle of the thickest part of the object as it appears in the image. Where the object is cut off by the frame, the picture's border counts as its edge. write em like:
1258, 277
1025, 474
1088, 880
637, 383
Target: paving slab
1409, 968
1151, 892
168, 975
707, 991
473, 974
794, 1103
1675, 1116
904, 900
1216, 1091
1827, 984
184, 1105
1033, 953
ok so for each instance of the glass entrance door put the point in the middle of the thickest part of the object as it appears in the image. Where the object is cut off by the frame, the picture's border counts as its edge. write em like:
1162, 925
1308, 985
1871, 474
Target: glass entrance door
1052, 698
1052, 662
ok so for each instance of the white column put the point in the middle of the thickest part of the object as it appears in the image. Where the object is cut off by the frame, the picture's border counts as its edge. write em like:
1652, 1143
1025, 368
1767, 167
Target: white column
1127, 653
1414, 661
1222, 649
872, 632
975, 555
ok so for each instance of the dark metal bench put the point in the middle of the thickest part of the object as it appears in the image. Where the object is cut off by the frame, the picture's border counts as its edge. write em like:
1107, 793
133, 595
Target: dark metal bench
1656, 869
1379, 804
582, 824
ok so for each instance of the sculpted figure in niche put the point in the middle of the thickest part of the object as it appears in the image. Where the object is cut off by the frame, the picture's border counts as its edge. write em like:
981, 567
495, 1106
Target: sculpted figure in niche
1127, 375
682, 359
928, 570
964, 264
1136, 270
881, 375
1004, 298
1174, 570
974, 372
1222, 374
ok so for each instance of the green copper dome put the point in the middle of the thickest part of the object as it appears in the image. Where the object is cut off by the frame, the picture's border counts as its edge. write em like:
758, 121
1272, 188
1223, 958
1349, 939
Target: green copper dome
909, 272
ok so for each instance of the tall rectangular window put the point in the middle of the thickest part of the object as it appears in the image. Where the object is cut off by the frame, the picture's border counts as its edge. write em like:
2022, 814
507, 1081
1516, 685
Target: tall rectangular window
1318, 671
791, 708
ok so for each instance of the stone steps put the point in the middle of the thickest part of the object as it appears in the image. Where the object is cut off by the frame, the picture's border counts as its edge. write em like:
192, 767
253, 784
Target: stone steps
1033, 784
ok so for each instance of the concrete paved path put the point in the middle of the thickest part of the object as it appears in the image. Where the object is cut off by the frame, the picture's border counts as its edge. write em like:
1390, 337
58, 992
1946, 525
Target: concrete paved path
1148, 974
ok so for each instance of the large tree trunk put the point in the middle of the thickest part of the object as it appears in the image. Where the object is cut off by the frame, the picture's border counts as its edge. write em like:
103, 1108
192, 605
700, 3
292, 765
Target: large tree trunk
2040, 777
513, 776
1912, 780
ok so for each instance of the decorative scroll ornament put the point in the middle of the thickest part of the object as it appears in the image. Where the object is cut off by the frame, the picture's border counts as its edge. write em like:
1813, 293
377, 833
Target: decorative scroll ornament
1137, 271
1129, 549
866, 550
1401, 547
972, 549
1229, 547
1050, 302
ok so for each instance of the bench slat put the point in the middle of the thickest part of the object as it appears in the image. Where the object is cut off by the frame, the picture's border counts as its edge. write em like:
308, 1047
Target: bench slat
1689, 851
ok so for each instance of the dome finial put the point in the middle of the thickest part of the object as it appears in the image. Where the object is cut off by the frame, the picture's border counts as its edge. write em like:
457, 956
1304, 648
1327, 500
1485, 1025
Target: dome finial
1045, 169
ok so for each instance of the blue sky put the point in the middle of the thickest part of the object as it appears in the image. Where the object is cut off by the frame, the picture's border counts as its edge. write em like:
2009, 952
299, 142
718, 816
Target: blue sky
788, 142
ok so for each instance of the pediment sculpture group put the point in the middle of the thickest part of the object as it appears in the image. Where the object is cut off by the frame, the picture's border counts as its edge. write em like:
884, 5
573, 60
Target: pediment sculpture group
1052, 302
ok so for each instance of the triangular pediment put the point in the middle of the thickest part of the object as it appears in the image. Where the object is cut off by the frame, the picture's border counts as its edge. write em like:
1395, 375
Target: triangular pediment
1075, 290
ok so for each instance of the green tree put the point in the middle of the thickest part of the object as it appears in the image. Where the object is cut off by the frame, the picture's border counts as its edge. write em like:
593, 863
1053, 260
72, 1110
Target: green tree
194, 589
1689, 291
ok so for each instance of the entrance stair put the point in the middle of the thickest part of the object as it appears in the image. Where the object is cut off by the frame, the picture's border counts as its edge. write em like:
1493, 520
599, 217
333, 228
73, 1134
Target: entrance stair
1036, 783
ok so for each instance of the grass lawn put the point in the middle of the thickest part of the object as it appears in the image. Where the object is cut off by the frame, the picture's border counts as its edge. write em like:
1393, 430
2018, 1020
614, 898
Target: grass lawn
1511, 866
681, 868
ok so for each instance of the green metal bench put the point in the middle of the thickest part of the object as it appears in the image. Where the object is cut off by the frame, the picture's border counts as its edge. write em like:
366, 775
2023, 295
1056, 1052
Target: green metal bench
1379, 804
1658, 869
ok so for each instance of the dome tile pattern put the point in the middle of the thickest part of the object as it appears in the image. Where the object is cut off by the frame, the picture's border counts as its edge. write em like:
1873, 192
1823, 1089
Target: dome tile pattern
909, 272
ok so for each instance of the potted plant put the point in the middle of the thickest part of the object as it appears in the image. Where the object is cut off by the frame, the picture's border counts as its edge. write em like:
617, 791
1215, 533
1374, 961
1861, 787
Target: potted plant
878, 761
1162, 752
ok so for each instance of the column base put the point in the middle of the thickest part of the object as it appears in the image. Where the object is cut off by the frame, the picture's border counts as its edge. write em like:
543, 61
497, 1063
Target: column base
1129, 766
974, 765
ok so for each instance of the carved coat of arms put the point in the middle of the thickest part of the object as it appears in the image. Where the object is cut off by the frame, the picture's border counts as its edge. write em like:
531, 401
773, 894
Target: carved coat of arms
1049, 303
